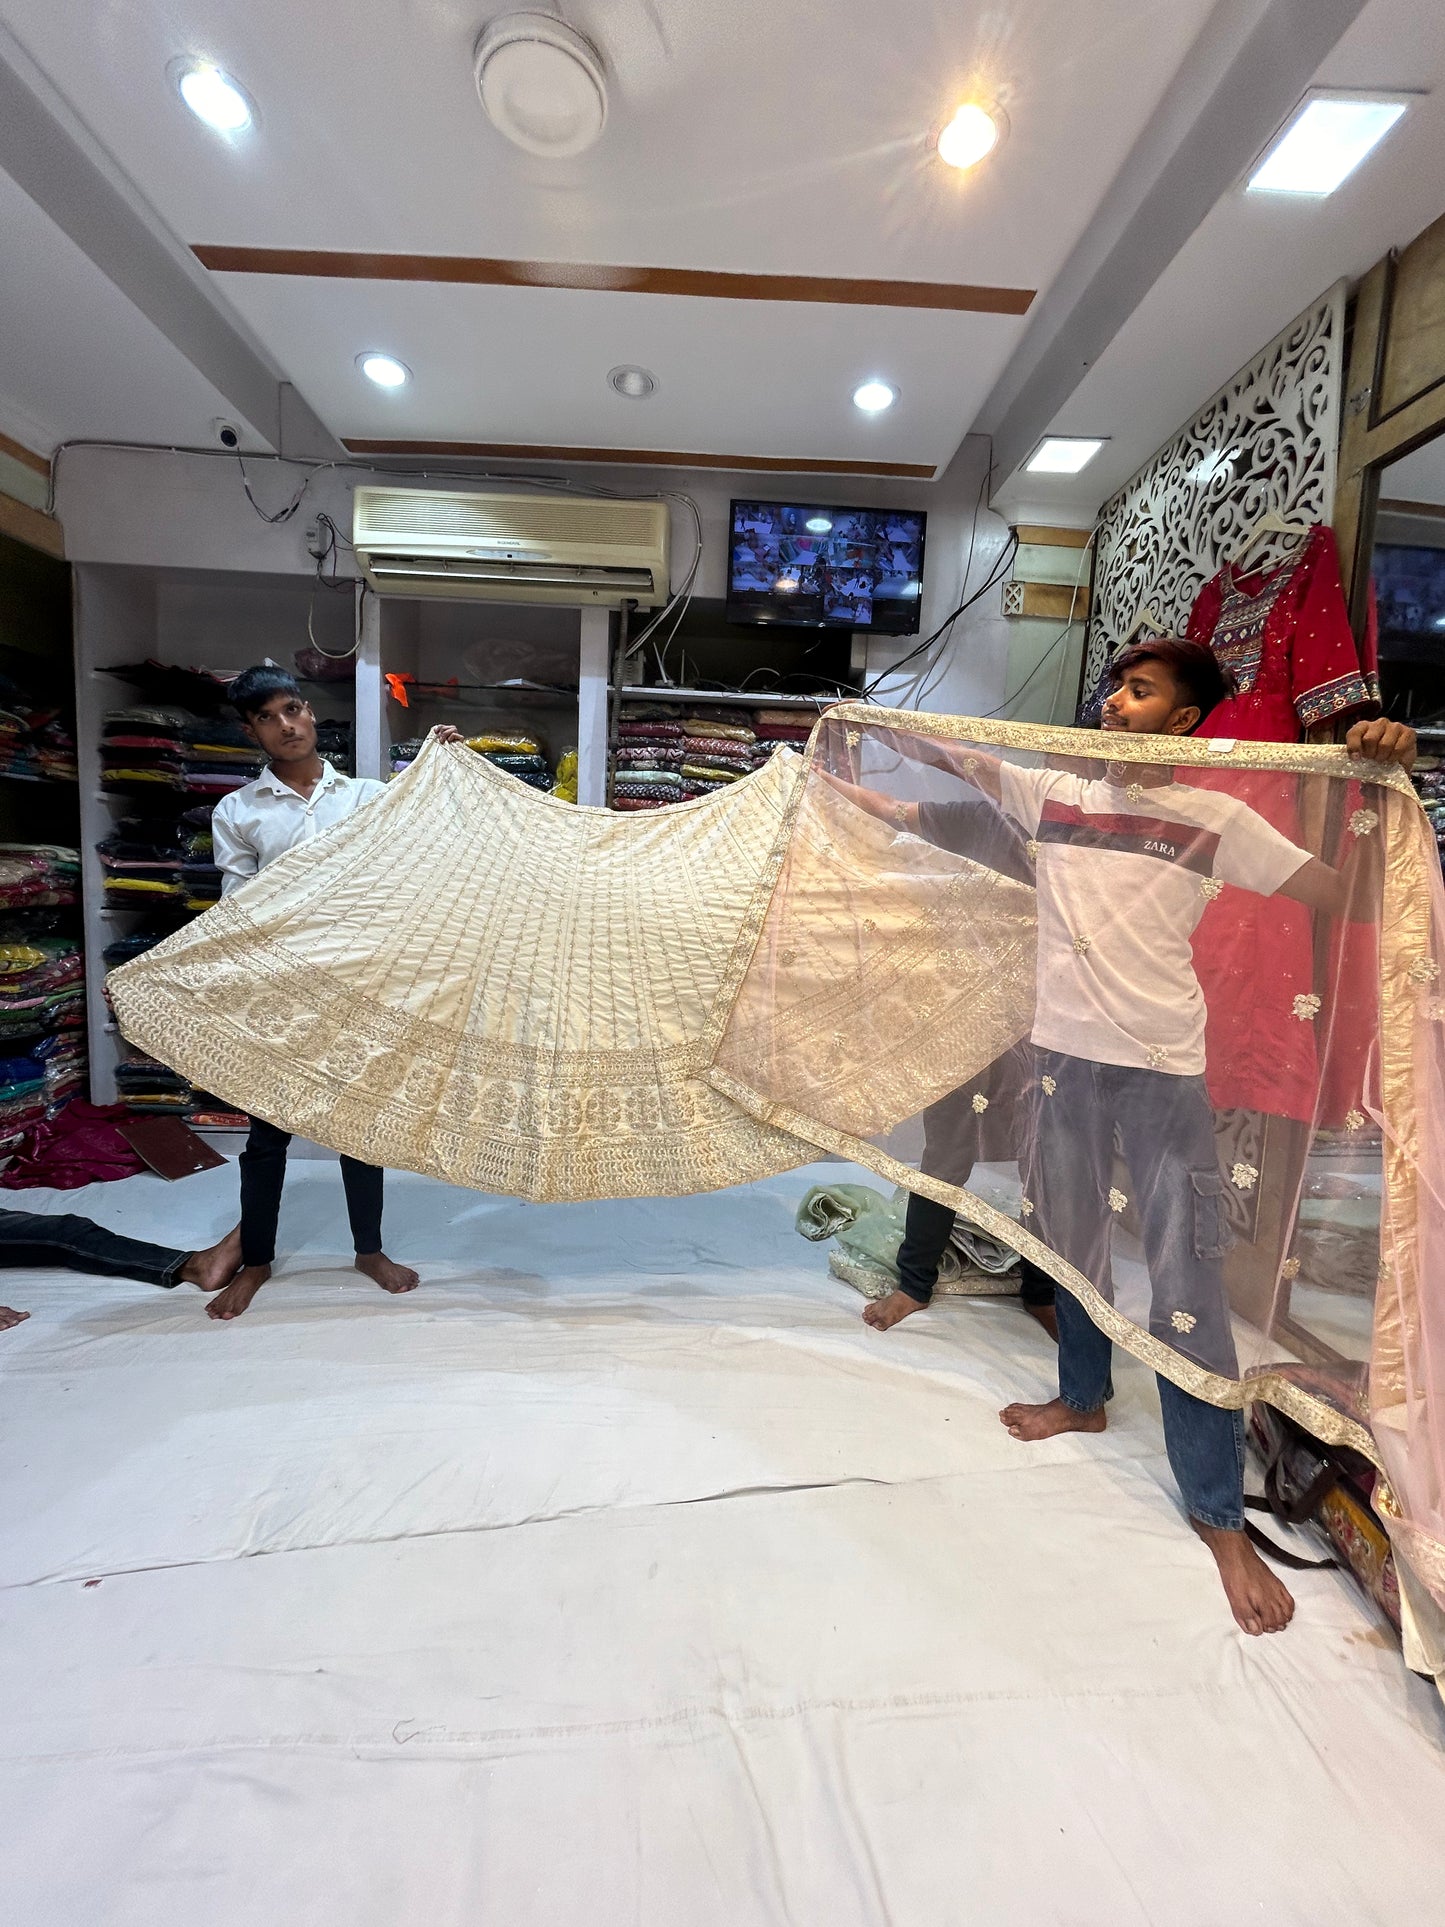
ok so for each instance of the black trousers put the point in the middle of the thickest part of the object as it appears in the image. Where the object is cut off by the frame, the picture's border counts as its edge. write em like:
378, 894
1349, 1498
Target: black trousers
926, 1231
263, 1177
76, 1244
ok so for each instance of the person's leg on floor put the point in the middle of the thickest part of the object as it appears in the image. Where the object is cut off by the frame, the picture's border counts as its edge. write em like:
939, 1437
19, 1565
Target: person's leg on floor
1168, 1131
79, 1244
363, 1184
1037, 1295
1069, 1174
927, 1228
263, 1178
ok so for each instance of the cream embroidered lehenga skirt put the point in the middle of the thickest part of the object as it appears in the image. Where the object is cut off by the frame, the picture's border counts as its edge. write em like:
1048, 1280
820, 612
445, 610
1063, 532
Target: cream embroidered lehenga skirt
496, 988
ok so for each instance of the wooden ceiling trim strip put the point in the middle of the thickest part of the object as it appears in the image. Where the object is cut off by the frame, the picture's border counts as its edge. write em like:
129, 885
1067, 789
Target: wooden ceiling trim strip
32, 527
476, 271
639, 458
18, 452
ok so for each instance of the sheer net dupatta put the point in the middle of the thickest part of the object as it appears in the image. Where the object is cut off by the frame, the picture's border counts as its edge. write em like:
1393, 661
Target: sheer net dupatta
979, 975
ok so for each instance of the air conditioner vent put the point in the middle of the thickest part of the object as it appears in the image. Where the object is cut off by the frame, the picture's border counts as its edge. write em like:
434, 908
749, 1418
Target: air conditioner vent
521, 548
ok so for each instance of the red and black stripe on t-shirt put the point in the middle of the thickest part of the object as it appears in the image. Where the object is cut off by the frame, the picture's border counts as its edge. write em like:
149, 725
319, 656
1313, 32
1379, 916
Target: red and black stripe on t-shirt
1186, 844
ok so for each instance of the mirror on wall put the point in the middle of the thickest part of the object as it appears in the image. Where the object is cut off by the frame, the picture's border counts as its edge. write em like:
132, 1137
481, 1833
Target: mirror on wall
1407, 568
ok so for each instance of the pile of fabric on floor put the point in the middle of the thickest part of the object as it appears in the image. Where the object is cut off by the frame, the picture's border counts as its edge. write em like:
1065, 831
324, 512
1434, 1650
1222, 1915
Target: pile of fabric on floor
867, 1229
42, 1028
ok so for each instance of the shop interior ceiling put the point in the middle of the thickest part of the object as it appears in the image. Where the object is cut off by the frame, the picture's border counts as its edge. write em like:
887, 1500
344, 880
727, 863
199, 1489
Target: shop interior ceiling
1120, 272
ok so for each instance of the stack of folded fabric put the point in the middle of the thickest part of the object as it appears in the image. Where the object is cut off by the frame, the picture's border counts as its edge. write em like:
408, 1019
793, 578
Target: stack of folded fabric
54, 745
17, 752
565, 787
34, 741
142, 750
141, 859
719, 749
334, 741
218, 757
42, 1037
773, 727
200, 875
647, 762
148, 1086
521, 756
403, 755
37, 876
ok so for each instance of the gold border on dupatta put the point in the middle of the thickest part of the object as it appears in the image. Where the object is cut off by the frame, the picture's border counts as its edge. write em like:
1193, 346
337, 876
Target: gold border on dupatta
1324, 1421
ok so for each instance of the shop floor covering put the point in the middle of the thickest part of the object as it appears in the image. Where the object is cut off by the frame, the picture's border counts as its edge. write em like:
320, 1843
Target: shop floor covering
620, 1576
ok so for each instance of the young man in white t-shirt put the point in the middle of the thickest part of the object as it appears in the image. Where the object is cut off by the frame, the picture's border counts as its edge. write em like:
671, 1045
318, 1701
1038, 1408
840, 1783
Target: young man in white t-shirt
297, 797
1125, 868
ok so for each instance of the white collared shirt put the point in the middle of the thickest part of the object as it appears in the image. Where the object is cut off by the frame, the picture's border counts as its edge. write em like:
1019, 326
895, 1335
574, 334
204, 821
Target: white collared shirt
253, 826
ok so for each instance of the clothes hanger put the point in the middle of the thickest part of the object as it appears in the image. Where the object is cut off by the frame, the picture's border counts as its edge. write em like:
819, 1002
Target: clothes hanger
1271, 524
1145, 619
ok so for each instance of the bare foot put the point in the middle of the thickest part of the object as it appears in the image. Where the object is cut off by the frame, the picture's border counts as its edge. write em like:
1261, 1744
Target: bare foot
231, 1302
391, 1277
883, 1313
216, 1266
1256, 1598
1046, 1316
9, 1318
1032, 1422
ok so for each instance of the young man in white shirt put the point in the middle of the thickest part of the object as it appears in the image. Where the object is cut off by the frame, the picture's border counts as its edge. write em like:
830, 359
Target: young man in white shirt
297, 797
1125, 868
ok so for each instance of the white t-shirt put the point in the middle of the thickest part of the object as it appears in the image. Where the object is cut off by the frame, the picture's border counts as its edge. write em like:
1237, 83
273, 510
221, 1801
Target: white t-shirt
1124, 875
253, 826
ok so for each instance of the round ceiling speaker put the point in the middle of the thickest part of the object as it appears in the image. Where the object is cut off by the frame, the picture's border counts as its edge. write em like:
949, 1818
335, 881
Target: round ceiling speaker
541, 84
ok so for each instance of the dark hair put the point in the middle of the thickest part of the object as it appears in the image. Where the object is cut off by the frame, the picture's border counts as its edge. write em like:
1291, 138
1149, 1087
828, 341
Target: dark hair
1198, 673
254, 688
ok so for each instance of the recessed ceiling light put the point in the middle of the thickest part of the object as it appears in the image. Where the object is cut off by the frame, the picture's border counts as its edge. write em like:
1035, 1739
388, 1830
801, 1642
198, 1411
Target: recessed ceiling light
213, 96
1324, 142
972, 134
874, 396
636, 383
1063, 454
818, 525
541, 84
385, 370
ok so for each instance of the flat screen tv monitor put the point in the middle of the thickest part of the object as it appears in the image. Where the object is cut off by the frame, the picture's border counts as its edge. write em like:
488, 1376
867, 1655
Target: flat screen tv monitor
1410, 599
811, 565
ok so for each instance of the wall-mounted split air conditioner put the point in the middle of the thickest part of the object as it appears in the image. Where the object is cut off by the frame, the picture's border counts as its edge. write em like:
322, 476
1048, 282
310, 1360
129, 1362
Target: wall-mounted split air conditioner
577, 551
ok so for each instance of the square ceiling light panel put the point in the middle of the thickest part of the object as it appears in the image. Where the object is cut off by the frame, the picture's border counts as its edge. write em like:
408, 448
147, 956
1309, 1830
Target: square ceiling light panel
1324, 141
1063, 454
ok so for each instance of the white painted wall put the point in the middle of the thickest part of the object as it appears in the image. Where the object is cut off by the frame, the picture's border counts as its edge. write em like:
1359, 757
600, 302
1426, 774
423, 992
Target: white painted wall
177, 511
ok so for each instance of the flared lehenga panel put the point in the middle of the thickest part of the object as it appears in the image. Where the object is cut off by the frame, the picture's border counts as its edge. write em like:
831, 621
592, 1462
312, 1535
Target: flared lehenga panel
1030, 1045
485, 985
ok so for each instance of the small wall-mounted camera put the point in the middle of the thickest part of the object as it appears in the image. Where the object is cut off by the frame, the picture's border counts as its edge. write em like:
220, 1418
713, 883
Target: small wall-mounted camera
226, 433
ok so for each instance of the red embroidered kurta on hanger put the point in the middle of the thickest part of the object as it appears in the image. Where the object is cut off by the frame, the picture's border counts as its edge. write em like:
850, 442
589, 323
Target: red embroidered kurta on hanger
1284, 635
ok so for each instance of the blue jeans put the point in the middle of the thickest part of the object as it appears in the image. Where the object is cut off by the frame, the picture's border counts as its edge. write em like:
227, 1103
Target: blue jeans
1167, 1131
78, 1244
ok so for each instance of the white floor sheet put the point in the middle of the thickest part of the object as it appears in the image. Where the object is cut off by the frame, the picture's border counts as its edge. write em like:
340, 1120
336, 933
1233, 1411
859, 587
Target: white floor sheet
619, 1576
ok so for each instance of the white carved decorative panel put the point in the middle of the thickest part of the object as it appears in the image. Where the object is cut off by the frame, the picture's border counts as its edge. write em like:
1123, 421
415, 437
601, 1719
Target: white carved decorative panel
1267, 440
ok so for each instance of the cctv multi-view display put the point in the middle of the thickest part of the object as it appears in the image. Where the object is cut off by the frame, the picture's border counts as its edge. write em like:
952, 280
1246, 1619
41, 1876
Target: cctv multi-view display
816, 567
